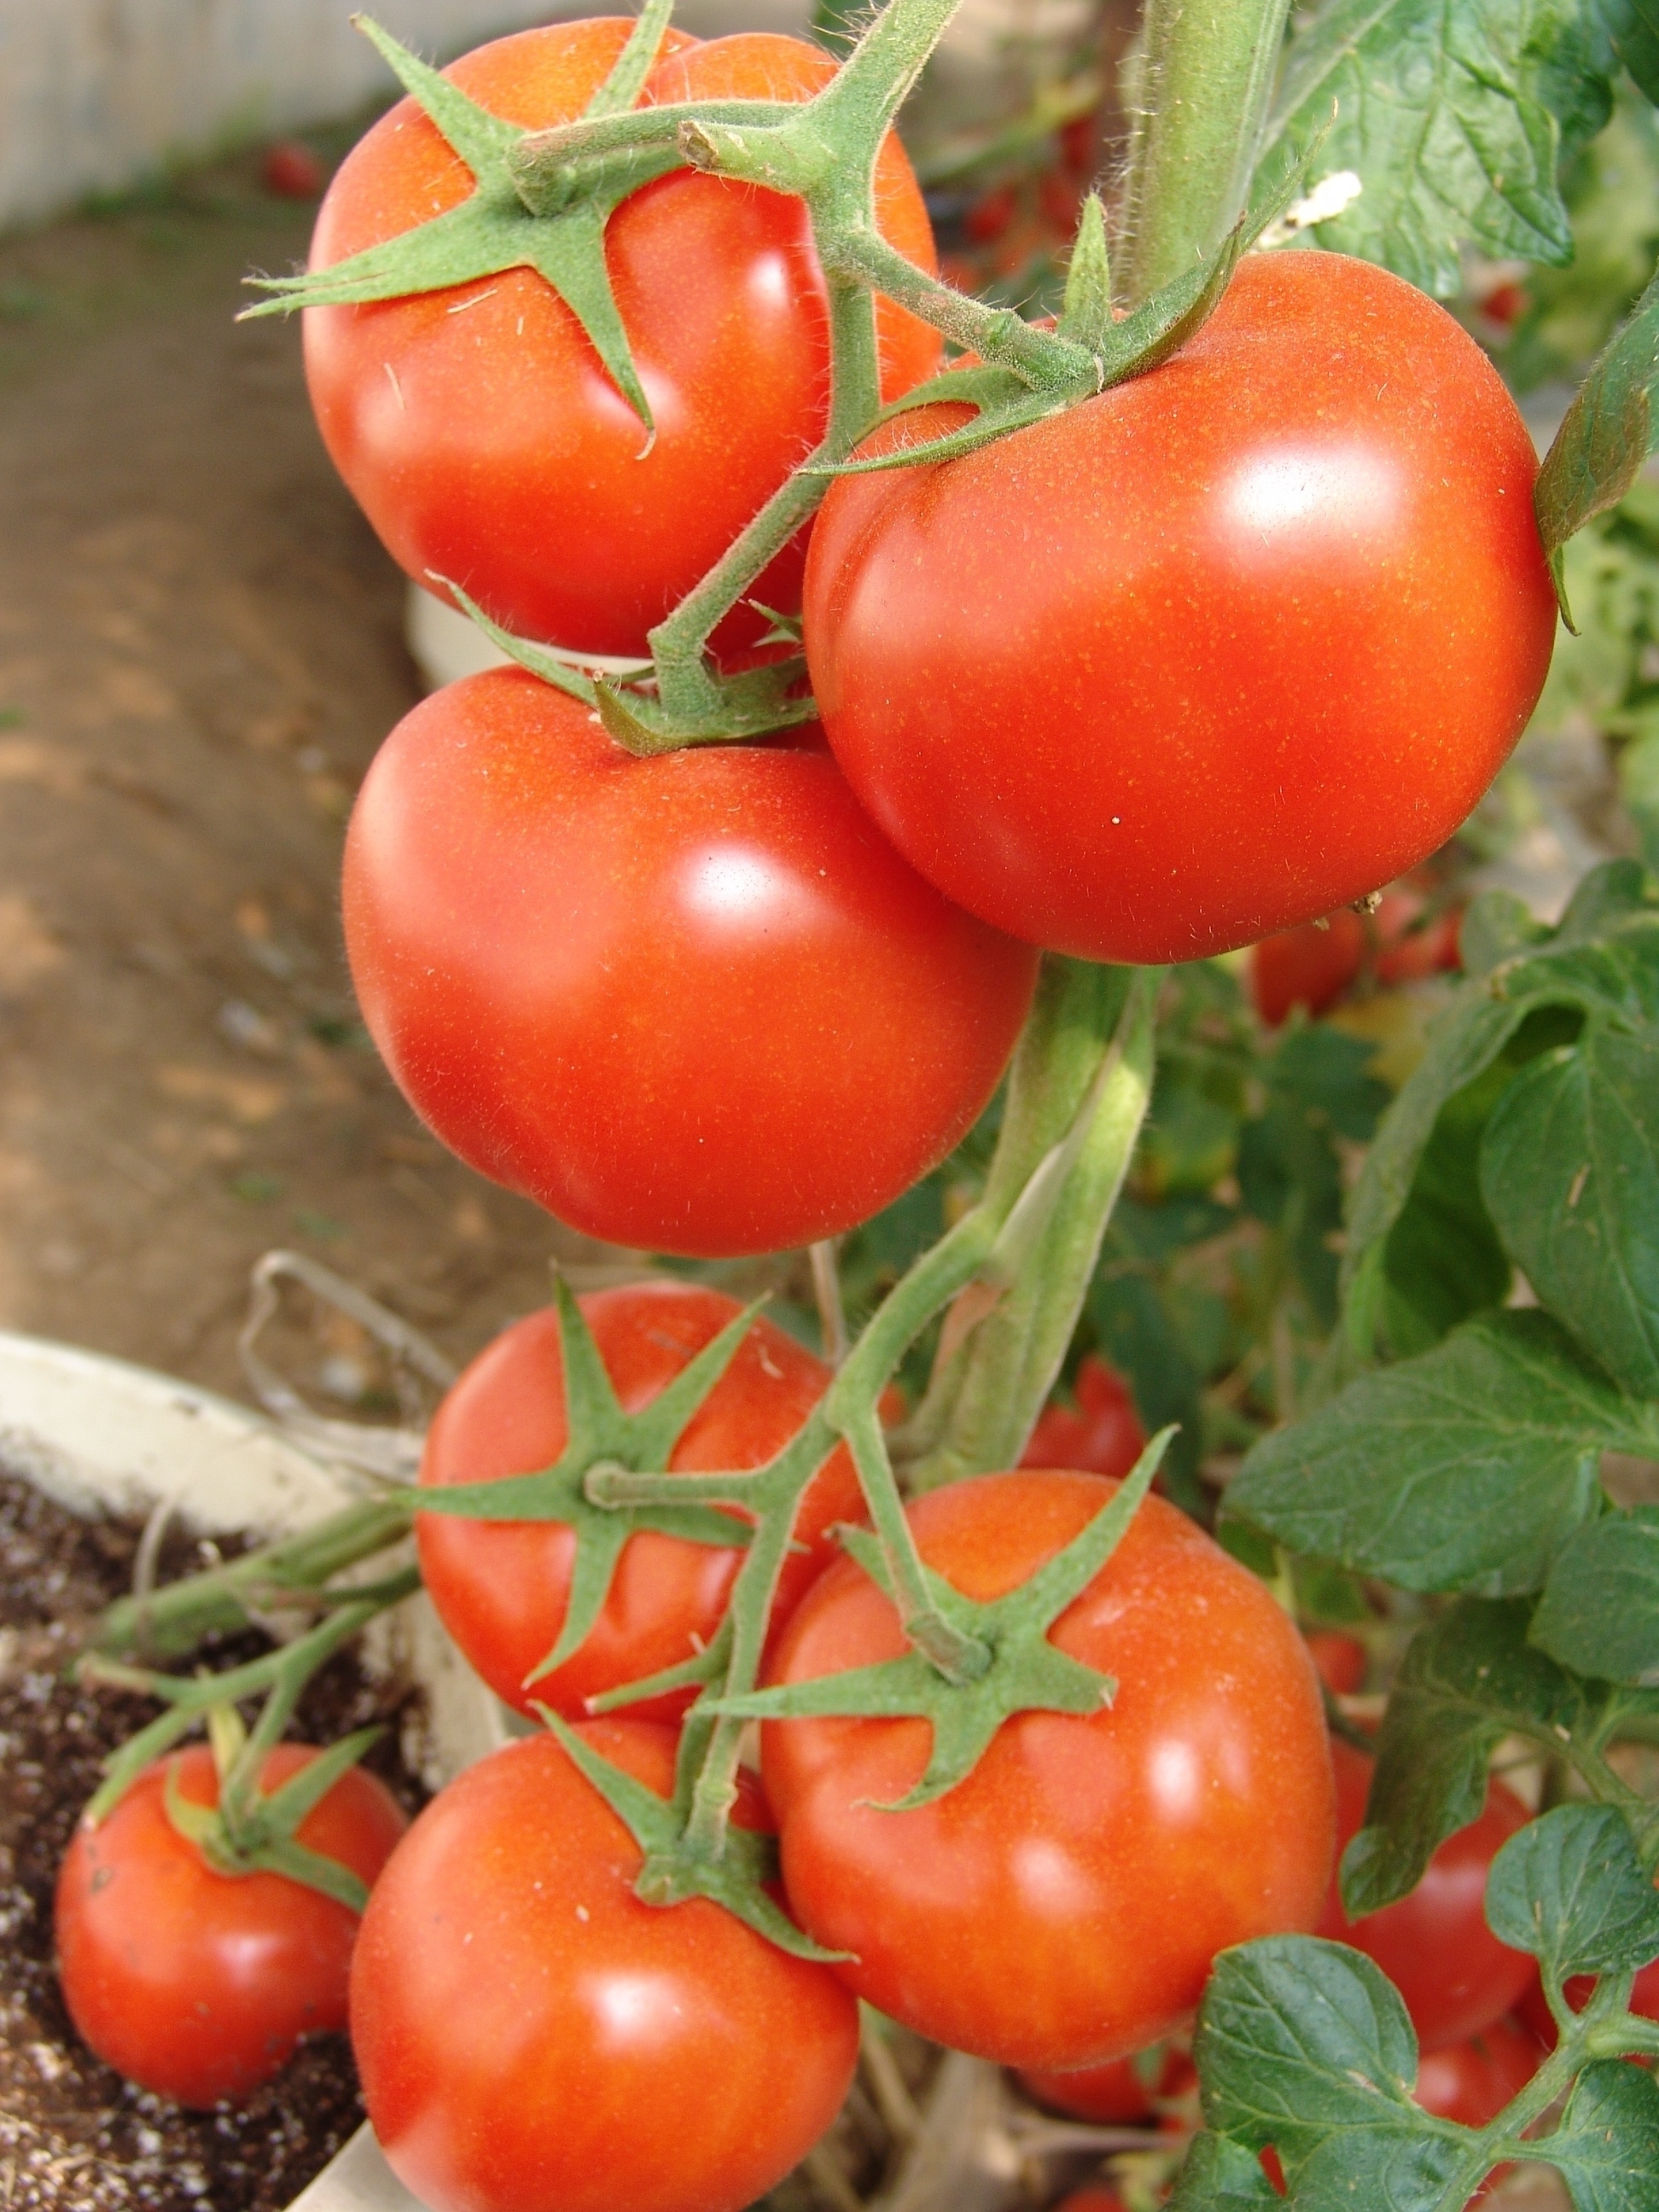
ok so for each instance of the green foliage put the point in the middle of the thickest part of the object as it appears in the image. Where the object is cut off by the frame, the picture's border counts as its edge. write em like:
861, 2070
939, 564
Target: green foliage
1608, 432
1569, 1888
1600, 1610
1607, 2147
1454, 117
1612, 192
1464, 1469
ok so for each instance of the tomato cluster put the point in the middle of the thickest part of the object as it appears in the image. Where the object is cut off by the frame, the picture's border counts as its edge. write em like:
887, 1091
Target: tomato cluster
1198, 659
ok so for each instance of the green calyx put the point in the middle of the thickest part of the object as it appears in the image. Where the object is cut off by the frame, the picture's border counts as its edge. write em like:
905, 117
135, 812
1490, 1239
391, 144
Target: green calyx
258, 1836
604, 1441
734, 1877
248, 1833
1024, 1672
493, 230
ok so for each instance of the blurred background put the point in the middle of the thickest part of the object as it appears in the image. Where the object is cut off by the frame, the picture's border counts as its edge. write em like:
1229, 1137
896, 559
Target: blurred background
201, 646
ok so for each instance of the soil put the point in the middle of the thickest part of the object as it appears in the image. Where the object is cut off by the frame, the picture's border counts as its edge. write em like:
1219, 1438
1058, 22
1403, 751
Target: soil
74, 2137
200, 649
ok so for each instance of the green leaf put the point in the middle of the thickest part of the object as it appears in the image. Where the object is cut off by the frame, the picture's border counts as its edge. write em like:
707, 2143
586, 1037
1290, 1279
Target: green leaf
1608, 432
1632, 28
1570, 1172
1569, 1888
1465, 1469
1608, 2144
1454, 114
1297, 2038
1604, 955
1442, 1261
1599, 1611
1468, 1680
1222, 2176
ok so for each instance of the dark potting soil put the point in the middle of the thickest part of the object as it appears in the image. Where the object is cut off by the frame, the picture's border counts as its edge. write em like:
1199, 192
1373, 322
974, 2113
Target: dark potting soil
74, 2137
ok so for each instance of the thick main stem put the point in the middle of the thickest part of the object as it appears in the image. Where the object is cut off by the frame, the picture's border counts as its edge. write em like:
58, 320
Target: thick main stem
985, 1397
1204, 75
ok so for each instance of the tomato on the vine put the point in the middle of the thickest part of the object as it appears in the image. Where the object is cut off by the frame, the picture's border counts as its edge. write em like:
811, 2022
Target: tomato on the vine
1234, 643
1471, 2081
501, 1586
477, 428
690, 1004
1101, 1435
1061, 1905
532, 2038
1435, 1946
198, 1984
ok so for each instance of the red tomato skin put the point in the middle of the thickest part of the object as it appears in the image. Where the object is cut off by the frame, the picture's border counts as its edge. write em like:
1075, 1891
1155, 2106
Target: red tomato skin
695, 1004
1115, 2095
501, 1586
1342, 1661
1061, 1905
1434, 1946
533, 2039
1101, 1435
497, 452
1091, 2199
195, 1985
1225, 648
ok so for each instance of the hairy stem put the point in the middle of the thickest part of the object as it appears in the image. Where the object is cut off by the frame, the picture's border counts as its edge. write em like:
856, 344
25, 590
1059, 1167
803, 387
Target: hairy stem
1205, 78
1090, 1028
168, 1623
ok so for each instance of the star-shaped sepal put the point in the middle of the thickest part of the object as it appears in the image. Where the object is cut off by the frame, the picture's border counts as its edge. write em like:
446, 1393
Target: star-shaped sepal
602, 1435
1026, 1672
262, 1840
493, 230
736, 1876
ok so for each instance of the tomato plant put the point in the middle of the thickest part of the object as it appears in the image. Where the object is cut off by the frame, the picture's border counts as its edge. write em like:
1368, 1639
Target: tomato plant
1165, 624
198, 1984
529, 2033
1061, 1907
502, 1588
694, 1005
480, 430
1230, 577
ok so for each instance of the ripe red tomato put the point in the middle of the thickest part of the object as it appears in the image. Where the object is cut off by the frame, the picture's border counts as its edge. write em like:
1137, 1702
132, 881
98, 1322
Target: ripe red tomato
198, 1985
1435, 1946
1125, 2092
1061, 1907
533, 2039
692, 1004
1342, 1661
1091, 2199
476, 426
501, 1586
1313, 965
1227, 646
1102, 1434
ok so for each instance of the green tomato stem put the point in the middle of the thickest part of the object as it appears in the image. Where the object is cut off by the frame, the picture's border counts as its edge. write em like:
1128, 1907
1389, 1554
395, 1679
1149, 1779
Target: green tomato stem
1203, 83
167, 1624
1087, 1049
